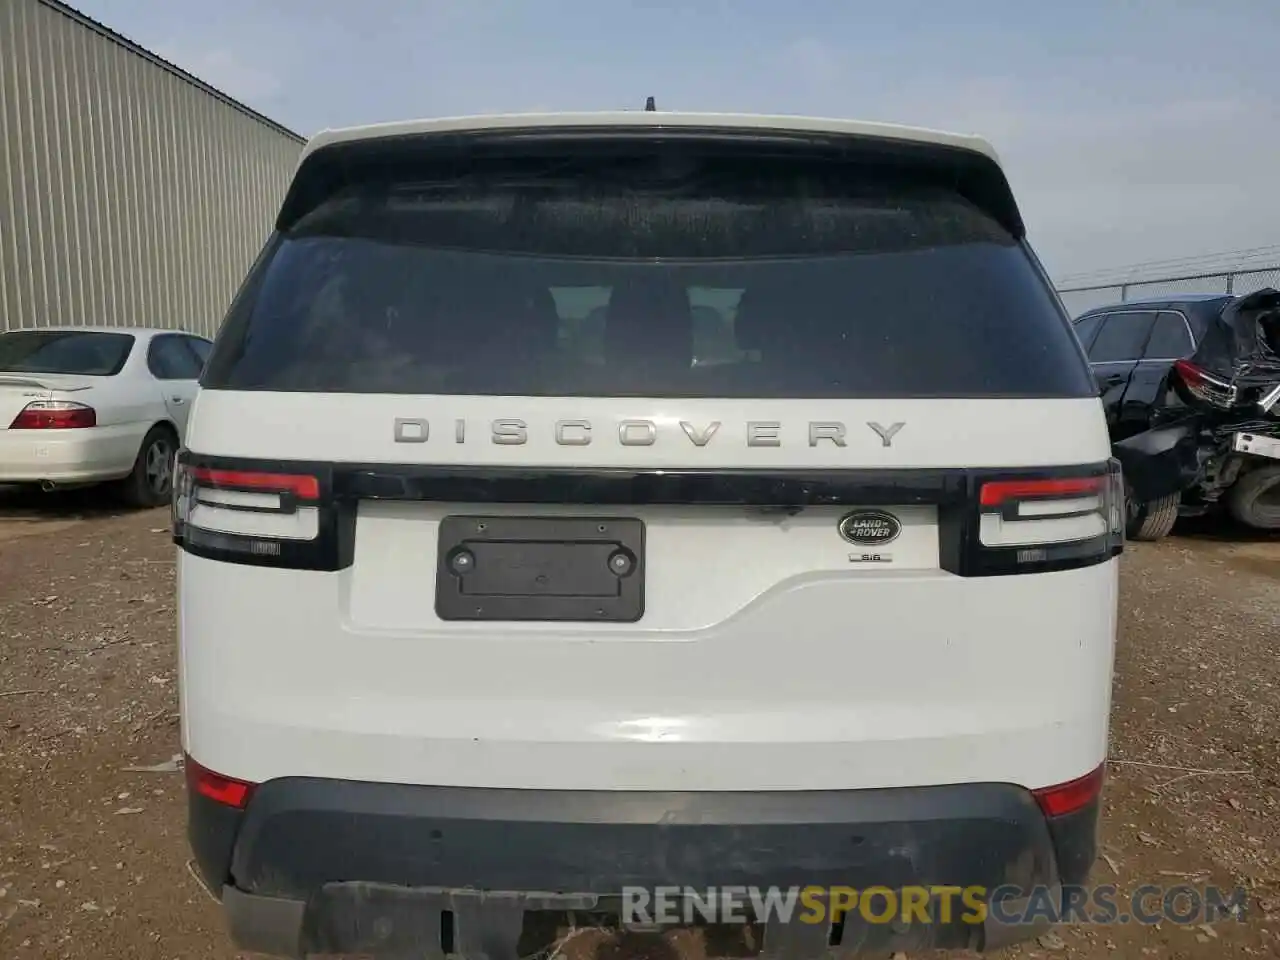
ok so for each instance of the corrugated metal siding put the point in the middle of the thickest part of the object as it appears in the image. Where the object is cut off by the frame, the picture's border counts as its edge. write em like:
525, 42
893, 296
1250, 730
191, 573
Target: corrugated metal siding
129, 195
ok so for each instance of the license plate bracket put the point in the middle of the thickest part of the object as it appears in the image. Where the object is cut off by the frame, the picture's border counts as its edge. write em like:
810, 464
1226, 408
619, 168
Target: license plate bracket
588, 569
1257, 444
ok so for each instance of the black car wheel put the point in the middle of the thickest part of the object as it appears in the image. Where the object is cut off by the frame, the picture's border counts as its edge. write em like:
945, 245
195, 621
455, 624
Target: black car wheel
1152, 520
1254, 500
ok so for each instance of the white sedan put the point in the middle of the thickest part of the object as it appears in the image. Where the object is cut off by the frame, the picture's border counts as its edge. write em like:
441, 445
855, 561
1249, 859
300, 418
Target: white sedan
86, 405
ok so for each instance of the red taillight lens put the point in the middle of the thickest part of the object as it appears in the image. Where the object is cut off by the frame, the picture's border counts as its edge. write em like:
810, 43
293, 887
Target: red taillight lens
1204, 386
224, 790
1046, 523
301, 486
1000, 492
1074, 795
54, 415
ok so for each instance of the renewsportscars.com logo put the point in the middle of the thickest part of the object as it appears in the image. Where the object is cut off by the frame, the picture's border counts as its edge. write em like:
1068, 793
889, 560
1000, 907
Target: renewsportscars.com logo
1104, 904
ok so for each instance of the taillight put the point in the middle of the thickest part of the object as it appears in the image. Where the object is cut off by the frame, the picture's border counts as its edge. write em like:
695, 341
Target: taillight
214, 786
54, 415
1072, 796
282, 485
1036, 524
1204, 386
239, 513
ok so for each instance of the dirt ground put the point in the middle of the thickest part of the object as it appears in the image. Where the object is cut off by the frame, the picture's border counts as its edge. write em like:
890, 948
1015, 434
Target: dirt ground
93, 859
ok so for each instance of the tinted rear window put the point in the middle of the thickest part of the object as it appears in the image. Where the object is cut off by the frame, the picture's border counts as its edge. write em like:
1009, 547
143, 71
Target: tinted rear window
89, 354
707, 277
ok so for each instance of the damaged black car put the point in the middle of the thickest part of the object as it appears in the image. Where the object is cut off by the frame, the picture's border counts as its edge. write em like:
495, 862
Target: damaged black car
1191, 388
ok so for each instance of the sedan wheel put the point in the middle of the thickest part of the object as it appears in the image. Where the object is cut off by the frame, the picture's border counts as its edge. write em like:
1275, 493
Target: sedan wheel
159, 467
151, 482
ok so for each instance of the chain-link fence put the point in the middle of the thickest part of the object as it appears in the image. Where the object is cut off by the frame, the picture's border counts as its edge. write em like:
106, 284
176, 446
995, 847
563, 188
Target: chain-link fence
1078, 299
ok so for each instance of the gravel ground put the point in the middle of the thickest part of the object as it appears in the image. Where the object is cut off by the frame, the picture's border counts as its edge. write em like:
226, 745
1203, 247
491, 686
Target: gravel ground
93, 860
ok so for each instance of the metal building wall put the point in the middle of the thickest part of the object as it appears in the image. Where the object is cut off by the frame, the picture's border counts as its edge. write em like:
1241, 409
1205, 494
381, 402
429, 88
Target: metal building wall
130, 193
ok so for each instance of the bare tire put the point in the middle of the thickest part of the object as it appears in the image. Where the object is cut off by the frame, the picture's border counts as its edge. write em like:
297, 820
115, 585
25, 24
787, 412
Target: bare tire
151, 482
1152, 520
1254, 500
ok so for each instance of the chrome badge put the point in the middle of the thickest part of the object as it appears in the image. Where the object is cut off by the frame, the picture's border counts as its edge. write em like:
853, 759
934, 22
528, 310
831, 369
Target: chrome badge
512, 431
870, 528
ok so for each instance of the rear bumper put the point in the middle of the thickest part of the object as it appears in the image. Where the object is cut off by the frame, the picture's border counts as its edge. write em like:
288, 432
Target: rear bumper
69, 456
333, 866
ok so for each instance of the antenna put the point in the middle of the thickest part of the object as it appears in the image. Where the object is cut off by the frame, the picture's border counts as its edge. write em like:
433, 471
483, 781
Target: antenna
649, 106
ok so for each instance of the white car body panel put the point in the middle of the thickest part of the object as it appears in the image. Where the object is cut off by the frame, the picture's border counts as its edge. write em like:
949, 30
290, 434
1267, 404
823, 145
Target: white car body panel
946, 681
179, 395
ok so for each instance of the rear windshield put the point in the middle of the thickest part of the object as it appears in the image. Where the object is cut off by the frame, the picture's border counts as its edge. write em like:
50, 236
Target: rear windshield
598, 277
89, 354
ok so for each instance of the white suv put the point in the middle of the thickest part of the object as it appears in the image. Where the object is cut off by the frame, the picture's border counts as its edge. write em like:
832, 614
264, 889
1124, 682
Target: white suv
582, 503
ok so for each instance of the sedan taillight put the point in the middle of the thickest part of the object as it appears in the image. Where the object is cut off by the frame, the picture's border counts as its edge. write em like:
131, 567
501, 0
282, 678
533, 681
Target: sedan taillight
54, 415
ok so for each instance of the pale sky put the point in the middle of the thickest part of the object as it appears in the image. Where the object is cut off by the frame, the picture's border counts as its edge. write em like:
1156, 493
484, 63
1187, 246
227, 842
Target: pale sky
1132, 130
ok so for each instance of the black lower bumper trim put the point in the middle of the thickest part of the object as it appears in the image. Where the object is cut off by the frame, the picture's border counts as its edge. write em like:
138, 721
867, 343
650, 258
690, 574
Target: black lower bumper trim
340, 867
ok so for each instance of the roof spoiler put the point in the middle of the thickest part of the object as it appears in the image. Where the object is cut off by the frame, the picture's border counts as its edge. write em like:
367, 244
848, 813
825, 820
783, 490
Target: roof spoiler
332, 168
